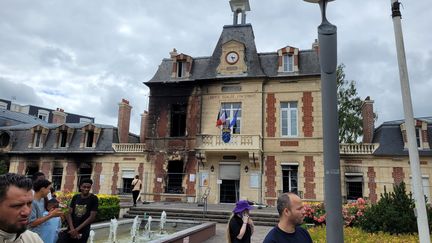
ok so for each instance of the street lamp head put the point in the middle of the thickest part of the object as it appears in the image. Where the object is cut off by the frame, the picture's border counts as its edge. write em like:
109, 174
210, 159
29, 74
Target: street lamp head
317, 1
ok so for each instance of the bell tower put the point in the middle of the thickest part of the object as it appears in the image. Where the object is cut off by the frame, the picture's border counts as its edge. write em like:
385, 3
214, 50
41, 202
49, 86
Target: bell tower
239, 7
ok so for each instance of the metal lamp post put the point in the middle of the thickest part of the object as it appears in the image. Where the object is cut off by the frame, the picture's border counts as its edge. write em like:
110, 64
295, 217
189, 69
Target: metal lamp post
420, 206
332, 185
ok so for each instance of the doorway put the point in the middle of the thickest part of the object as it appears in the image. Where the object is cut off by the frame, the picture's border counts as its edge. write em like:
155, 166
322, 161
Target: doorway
229, 190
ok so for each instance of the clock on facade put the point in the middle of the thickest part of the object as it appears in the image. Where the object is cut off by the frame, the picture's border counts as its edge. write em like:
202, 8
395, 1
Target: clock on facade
232, 57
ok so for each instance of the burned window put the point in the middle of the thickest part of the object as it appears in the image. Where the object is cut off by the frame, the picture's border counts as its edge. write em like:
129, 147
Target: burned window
174, 177
57, 176
181, 69
354, 186
37, 141
178, 120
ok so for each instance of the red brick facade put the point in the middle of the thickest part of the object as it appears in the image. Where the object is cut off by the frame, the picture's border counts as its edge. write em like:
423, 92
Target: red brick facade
270, 184
159, 173
71, 170
191, 169
271, 115
289, 143
398, 175
368, 120
97, 169
46, 168
307, 114
371, 174
115, 178
309, 175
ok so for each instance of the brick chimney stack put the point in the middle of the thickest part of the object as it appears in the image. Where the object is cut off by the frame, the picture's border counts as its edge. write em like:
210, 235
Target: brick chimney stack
123, 123
143, 126
368, 120
59, 116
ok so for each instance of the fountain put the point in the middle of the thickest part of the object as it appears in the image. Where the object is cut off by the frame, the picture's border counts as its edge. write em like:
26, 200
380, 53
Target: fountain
147, 229
91, 236
162, 222
134, 230
128, 230
112, 238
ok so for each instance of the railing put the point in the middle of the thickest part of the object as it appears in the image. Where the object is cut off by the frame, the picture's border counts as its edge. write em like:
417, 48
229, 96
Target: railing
238, 141
361, 148
129, 147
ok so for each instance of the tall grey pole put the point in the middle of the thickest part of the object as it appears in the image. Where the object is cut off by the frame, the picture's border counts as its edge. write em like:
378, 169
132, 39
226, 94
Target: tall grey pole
422, 221
327, 36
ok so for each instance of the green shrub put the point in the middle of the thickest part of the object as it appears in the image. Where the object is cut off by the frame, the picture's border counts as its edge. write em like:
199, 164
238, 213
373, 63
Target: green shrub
394, 213
107, 212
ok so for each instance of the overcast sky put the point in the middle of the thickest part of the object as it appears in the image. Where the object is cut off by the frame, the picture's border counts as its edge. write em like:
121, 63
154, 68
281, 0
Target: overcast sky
85, 56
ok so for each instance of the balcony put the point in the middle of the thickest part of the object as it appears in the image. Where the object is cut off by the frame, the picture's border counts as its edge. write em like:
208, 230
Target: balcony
360, 148
129, 147
238, 142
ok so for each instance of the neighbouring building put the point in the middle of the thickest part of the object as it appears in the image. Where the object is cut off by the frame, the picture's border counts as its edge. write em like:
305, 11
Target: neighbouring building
45, 114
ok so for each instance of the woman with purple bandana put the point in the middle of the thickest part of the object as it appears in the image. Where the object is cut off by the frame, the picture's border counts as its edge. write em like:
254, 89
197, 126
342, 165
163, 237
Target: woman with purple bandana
240, 225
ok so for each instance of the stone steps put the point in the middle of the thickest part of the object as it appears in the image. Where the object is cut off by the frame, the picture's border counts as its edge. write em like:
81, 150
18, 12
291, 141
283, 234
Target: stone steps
260, 218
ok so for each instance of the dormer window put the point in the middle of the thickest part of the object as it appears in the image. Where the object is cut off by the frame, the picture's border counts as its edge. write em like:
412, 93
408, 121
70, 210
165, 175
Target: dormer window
37, 143
182, 65
288, 60
89, 139
90, 136
63, 139
181, 69
421, 134
43, 115
288, 63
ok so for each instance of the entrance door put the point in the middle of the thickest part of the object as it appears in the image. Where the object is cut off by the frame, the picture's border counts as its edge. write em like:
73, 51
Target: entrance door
230, 187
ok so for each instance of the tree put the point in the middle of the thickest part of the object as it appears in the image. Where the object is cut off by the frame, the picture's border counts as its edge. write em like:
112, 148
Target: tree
349, 108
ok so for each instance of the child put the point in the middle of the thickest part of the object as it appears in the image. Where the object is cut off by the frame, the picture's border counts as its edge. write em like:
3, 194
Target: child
51, 228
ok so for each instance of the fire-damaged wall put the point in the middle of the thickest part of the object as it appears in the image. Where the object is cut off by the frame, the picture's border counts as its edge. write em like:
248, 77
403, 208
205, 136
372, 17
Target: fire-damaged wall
172, 124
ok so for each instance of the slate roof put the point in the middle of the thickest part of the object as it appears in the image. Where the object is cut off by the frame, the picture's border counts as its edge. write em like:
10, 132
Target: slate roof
259, 64
10, 118
21, 135
389, 136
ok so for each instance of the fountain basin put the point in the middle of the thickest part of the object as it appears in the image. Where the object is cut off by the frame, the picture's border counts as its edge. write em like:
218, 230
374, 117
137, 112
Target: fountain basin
180, 230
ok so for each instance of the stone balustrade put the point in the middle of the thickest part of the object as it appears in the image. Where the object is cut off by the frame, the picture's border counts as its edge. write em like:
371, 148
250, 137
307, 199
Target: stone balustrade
237, 142
358, 148
129, 147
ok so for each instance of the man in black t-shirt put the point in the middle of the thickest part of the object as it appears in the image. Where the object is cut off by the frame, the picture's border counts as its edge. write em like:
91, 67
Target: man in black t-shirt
291, 214
82, 212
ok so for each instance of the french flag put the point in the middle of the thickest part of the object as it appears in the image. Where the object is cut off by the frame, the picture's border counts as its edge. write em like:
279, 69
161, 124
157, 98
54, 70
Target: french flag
221, 118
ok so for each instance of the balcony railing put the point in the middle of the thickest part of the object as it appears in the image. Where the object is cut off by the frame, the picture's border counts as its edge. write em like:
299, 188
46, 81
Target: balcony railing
129, 147
361, 148
237, 142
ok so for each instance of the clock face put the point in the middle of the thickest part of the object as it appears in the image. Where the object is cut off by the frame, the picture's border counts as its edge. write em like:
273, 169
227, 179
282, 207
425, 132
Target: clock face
232, 57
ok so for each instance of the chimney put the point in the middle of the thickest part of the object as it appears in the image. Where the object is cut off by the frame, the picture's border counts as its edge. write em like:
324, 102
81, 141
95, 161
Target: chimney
59, 116
143, 126
124, 114
368, 120
315, 46
173, 53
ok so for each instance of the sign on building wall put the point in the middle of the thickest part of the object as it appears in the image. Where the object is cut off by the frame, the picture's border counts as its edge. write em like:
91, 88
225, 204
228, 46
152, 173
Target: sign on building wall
254, 180
204, 182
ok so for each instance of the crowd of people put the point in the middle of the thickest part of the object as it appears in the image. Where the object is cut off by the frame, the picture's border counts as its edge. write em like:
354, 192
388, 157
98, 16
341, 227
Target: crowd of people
29, 211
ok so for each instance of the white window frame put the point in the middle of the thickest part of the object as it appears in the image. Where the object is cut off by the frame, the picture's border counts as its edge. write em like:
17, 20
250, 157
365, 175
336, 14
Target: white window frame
62, 132
87, 137
85, 120
290, 176
43, 115
288, 63
425, 186
230, 108
289, 127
